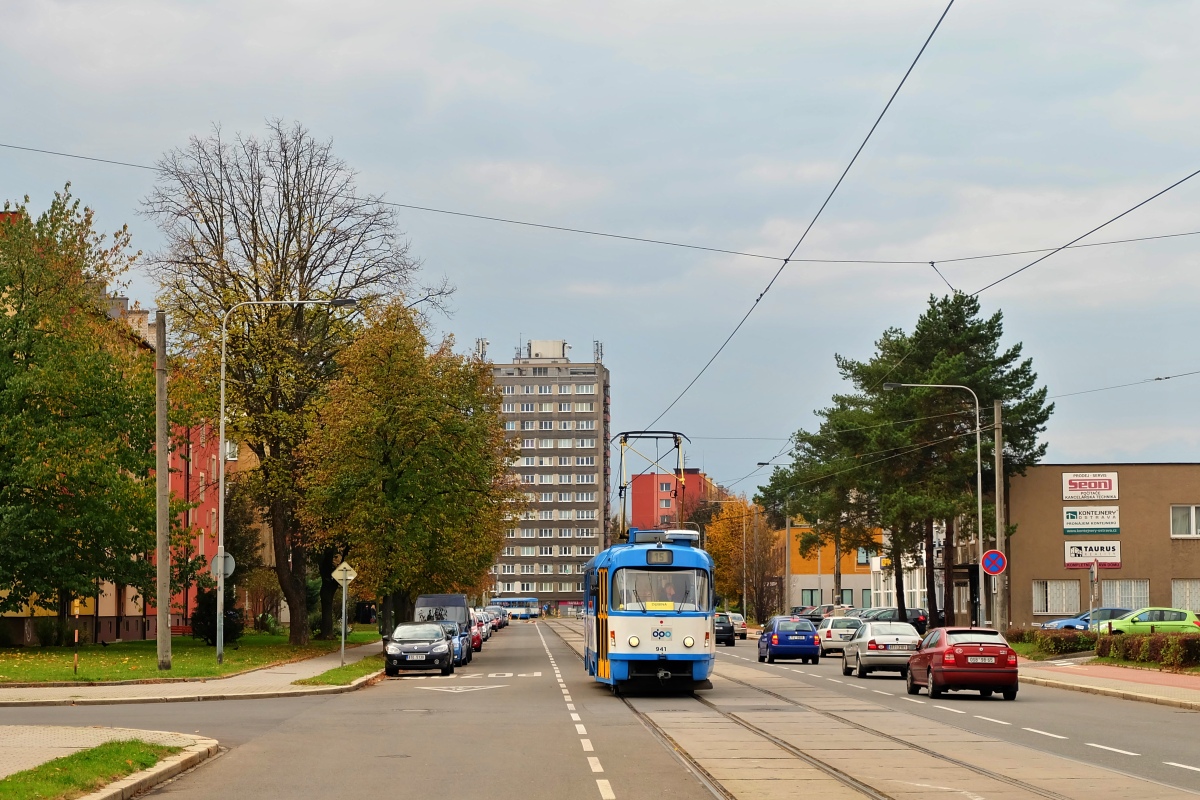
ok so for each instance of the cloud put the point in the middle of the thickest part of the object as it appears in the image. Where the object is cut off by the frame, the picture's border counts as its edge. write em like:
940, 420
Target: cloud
531, 183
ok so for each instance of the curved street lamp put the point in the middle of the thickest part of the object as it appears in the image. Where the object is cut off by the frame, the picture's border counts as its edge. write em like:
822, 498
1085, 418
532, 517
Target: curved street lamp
978, 484
339, 302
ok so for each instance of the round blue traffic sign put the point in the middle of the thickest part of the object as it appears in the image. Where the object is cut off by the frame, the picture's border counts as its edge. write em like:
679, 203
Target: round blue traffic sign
994, 562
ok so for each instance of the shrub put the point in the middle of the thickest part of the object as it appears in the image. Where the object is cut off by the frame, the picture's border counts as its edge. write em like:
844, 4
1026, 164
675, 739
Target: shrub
1056, 642
1181, 651
51, 631
1019, 634
268, 624
204, 618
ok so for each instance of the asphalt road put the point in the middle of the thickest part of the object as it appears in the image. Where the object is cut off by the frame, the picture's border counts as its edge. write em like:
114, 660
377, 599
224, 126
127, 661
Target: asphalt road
503, 727
1142, 739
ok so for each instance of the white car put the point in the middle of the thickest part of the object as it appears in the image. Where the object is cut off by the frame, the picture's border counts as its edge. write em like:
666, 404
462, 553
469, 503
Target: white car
881, 646
834, 632
739, 624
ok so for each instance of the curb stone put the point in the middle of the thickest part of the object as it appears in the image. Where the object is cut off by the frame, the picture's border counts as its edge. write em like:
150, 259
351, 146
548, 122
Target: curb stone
1118, 693
357, 683
168, 768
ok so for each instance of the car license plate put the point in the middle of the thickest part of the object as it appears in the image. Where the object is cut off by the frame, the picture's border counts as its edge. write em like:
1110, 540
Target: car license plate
794, 638
898, 647
981, 659
416, 656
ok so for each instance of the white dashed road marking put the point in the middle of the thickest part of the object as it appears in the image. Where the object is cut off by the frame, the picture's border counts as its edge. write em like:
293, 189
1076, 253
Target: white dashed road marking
594, 763
997, 721
955, 710
1044, 733
911, 700
606, 792
582, 731
1111, 749
1181, 766
587, 745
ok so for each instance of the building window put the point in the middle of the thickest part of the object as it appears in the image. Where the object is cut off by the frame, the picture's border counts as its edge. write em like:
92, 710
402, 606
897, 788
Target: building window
866, 595
203, 486
1183, 521
508, 569
1125, 594
664, 503
565, 533
546, 533
1186, 594
585, 461
564, 478
585, 407
566, 587
546, 408
564, 408
528, 533
546, 514
527, 389
527, 569
545, 479
810, 597
506, 587
565, 444
664, 519
587, 550
565, 569
527, 478
510, 533
565, 425
563, 461
591, 478
546, 444
526, 408
510, 425
586, 513
547, 497
526, 424
528, 443
508, 408
545, 389
864, 556
567, 513
586, 425
585, 388
547, 587
510, 390
565, 497
664, 487
585, 497
510, 551
528, 551
847, 597
586, 533
545, 461
541, 372
546, 550
564, 388
546, 569
586, 442
528, 587
1056, 597
529, 461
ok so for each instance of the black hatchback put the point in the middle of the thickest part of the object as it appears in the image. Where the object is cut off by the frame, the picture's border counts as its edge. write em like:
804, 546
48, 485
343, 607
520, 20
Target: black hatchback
419, 645
723, 630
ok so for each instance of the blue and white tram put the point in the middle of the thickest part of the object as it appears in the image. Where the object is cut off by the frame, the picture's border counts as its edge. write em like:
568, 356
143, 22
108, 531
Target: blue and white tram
649, 612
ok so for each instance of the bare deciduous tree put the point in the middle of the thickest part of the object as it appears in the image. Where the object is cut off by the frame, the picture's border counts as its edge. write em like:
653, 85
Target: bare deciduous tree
277, 218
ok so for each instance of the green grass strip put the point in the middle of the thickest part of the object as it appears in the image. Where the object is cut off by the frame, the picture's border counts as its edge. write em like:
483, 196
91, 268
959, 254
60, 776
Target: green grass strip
83, 772
344, 676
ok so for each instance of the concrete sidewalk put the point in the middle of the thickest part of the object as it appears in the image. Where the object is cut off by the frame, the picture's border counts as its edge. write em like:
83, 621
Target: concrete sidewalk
24, 747
1147, 686
269, 682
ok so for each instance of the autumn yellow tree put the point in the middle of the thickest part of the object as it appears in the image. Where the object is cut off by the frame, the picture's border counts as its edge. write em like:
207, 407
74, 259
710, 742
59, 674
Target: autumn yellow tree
406, 463
724, 536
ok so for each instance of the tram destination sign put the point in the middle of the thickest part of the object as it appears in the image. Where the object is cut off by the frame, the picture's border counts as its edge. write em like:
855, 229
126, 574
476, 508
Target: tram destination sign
1089, 486
1080, 555
1091, 519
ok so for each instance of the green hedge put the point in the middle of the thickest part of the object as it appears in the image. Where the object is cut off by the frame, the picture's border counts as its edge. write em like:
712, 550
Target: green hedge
1054, 642
1171, 650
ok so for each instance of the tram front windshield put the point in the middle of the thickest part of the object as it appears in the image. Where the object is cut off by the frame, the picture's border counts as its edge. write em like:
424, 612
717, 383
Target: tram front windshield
661, 590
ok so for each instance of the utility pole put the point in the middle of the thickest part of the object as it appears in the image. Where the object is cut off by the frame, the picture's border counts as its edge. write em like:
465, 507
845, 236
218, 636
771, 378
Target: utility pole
163, 486
787, 562
1001, 580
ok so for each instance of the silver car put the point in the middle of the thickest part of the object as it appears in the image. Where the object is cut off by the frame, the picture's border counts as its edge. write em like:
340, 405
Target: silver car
880, 646
834, 632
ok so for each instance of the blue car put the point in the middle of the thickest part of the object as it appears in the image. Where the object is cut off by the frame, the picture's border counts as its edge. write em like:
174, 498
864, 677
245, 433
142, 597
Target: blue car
789, 637
463, 652
1081, 622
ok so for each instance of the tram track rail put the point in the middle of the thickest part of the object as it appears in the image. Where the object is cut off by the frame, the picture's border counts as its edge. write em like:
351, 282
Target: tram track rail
861, 787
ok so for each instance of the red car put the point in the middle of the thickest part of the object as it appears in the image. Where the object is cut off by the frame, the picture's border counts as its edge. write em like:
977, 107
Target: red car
953, 659
476, 632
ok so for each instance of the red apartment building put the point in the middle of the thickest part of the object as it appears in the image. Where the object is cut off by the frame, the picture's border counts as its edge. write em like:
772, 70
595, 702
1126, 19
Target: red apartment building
665, 499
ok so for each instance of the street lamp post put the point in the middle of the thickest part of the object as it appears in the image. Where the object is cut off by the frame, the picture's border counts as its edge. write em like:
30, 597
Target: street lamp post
220, 558
978, 484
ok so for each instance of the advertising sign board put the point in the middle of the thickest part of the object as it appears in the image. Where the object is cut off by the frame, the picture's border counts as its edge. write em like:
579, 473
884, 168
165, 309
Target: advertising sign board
1091, 519
1089, 486
1080, 555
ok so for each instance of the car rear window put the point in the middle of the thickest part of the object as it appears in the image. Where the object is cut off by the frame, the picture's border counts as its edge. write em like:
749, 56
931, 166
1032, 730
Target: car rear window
893, 629
846, 622
794, 625
976, 637
722, 618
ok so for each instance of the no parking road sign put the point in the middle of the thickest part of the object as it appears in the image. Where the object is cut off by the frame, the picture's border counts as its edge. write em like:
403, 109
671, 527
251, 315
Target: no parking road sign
994, 562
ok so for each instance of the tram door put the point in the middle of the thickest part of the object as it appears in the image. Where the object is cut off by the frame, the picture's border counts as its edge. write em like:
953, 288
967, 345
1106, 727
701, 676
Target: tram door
602, 667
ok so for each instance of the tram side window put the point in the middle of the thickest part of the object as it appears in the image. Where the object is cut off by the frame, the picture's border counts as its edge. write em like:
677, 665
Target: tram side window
661, 590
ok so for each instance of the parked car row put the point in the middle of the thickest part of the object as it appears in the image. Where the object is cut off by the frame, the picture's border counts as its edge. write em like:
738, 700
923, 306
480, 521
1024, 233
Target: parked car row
1155, 619
917, 617
445, 633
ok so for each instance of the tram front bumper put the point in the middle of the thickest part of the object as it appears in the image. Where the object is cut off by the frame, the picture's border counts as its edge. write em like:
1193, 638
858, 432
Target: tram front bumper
695, 668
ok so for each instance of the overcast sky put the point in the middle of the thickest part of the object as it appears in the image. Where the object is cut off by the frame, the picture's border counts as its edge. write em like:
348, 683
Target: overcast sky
720, 124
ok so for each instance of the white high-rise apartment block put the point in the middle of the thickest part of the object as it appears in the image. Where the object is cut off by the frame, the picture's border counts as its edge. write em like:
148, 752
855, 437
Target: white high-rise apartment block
558, 411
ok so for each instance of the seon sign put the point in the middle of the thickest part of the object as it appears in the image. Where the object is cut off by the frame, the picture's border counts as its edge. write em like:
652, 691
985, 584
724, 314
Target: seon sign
1089, 486
1080, 555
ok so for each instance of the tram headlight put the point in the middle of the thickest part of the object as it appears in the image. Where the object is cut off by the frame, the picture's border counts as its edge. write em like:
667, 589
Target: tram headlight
688, 641
634, 641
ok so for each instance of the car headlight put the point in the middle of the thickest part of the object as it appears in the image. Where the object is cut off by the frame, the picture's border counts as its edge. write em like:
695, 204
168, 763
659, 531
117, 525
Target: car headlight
440, 648
634, 641
393, 649
688, 641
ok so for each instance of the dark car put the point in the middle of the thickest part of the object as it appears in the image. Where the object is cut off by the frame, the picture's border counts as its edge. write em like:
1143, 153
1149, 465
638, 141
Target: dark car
917, 617
723, 630
463, 649
789, 637
952, 659
419, 645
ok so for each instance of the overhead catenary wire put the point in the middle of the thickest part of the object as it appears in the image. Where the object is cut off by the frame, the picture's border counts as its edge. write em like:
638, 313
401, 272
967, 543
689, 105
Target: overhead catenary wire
811, 223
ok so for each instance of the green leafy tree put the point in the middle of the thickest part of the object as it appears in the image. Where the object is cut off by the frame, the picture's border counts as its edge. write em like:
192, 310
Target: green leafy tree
76, 414
406, 465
